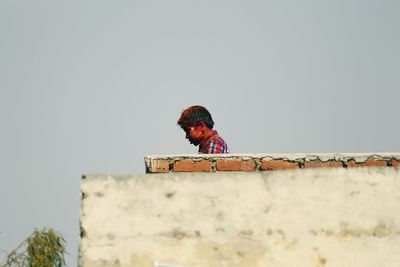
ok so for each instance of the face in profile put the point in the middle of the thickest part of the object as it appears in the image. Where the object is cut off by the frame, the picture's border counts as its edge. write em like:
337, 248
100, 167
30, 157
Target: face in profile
194, 134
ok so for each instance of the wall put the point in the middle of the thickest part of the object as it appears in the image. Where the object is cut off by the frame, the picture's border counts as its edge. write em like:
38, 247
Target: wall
267, 162
301, 217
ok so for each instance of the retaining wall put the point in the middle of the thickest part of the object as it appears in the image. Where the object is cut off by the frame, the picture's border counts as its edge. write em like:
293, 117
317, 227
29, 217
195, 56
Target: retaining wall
294, 217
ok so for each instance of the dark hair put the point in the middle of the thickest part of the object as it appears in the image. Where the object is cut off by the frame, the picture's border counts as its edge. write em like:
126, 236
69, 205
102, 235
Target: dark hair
193, 115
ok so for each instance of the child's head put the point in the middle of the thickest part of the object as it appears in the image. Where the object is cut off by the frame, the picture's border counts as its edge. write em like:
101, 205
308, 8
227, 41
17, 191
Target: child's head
193, 116
197, 123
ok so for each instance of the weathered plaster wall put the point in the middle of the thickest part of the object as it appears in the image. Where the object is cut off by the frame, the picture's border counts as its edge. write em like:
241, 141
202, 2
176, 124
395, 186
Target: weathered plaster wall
305, 217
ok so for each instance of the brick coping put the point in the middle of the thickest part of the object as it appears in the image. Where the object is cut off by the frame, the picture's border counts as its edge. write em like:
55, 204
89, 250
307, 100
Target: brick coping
266, 162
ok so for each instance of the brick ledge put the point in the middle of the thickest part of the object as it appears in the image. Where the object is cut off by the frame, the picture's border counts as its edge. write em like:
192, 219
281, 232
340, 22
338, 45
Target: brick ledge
266, 162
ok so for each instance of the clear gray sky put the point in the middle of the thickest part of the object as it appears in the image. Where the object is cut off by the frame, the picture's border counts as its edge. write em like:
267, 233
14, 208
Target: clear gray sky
94, 86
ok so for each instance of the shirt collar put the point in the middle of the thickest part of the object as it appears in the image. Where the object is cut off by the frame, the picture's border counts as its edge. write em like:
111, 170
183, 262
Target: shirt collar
214, 133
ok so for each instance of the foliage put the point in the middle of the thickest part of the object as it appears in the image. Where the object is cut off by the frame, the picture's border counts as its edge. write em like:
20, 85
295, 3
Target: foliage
44, 248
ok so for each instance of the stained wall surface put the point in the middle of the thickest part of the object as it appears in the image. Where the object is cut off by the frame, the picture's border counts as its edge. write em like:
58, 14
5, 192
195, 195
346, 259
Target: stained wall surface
303, 217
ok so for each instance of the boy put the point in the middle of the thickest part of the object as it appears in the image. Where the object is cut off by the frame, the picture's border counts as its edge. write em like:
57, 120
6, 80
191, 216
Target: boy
197, 123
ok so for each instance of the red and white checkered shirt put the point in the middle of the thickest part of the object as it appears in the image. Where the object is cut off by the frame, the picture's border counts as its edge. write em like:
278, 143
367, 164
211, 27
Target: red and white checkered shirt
213, 145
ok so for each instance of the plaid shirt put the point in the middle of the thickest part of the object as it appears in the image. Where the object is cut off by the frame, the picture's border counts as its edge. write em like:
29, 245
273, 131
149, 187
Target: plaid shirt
213, 145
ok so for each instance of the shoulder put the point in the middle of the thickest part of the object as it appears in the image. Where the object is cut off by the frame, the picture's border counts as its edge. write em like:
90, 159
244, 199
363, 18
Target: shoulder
216, 139
217, 145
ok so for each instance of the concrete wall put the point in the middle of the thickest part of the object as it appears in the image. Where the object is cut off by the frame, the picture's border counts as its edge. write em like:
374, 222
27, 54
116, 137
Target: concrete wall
305, 217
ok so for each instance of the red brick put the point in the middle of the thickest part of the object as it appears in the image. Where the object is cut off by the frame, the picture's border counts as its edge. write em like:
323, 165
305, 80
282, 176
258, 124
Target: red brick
187, 165
367, 163
396, 163
236, 165
278, 165
323, 164
160, 165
